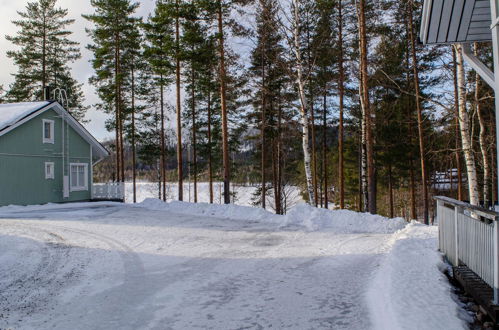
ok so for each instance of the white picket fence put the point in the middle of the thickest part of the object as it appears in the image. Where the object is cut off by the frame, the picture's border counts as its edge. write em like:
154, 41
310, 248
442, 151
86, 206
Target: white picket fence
469, 235
108, 191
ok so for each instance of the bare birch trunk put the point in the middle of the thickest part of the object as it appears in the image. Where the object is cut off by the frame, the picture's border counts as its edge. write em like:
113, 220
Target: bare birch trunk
464, 123
303, 102
482, 140
456, 129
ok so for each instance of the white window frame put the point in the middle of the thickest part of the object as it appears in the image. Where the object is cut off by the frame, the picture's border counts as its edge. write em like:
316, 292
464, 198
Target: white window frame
51, 174
52, 124
85, 177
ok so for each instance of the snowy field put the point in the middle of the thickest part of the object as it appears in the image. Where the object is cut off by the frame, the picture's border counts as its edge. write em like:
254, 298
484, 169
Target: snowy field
243, 195
177, 265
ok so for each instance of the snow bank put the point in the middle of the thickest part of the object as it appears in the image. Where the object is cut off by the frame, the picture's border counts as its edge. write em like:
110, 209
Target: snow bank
229, 211
409, 290
342, 220
302, 215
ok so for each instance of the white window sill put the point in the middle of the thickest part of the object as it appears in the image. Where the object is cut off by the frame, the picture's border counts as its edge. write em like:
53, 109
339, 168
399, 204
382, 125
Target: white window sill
48, 142
79, 189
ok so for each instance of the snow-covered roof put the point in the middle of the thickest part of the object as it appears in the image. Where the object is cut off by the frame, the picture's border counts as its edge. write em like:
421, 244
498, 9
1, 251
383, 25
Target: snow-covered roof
11, 113
15, 114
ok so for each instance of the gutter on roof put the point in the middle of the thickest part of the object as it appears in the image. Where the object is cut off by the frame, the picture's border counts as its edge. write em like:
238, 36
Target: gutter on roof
425, 21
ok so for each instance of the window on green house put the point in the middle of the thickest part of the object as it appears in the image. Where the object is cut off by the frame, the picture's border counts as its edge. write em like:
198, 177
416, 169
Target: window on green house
49, 170
79, 176
48, 131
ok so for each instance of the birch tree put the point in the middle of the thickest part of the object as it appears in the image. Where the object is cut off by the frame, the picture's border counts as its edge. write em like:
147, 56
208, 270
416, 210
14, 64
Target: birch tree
465, 129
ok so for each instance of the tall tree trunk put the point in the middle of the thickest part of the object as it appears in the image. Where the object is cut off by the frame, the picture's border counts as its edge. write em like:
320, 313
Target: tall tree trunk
363, 151
371, 182
341, 91
44, 56
482, 140
456, 129
210, 158
300, 80
324, 148
194, 140
223, 99
419, 110
117, 111
134, 165
163, 149
464, 123
390, 188
279, 208
262, 132
314, 151
179, 109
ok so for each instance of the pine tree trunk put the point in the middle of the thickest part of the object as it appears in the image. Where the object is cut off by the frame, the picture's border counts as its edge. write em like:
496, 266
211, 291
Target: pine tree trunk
279, 207
274, 173
464, 123
179, 109
194, 140
210, 158
363, 151
225, 128
300, 80
134, 166
341, 91
262, 133
44, 57
324, 148
390, 188
314, 151
456, 129
116, 112
419, 110
371, 182
163, 149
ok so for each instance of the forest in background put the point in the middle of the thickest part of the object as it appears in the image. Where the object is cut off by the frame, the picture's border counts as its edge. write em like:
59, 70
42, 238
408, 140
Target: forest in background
336, 97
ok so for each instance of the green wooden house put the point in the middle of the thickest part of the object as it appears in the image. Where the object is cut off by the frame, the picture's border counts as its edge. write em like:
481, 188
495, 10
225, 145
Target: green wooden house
46, 155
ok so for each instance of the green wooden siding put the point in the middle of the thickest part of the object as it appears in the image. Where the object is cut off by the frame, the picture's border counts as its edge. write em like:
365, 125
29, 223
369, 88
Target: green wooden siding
22, 163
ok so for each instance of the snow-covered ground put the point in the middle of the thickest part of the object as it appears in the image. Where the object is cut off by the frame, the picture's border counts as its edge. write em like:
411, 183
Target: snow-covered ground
243, 194
184, 266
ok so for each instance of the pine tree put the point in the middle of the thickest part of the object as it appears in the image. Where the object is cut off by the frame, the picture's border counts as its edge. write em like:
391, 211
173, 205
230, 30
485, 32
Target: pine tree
158, 47
114, 25
45, 55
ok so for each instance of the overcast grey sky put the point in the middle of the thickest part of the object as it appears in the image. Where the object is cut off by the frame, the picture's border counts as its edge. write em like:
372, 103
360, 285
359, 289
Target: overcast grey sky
82, 69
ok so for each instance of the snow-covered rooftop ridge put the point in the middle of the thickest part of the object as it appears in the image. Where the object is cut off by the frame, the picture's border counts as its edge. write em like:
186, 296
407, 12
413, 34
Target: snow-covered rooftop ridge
11, 113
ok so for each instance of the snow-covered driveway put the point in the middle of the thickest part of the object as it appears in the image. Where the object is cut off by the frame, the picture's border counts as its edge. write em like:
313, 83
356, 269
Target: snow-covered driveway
121, 267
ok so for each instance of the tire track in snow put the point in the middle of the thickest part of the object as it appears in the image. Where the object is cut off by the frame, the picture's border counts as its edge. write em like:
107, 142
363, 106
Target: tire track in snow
29, 292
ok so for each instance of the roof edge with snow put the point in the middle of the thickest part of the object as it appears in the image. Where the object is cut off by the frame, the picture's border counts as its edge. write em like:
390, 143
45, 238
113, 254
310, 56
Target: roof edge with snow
23, 116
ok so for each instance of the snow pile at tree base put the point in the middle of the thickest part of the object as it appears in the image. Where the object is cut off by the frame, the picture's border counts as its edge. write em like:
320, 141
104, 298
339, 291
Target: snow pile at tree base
302, 215
409, 290
342, 221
